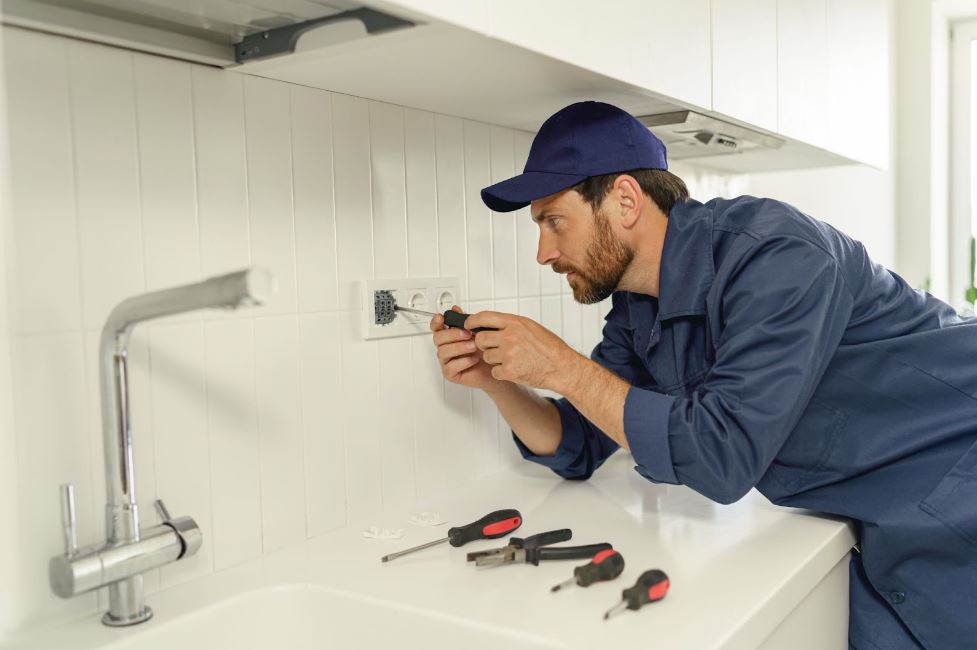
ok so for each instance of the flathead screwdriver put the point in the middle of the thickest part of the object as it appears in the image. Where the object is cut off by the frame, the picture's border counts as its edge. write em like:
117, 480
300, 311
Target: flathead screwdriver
495, 524
606, 565
651, 586
451, 317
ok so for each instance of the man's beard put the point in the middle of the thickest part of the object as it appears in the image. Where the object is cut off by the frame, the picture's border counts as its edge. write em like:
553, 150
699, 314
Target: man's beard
607, 257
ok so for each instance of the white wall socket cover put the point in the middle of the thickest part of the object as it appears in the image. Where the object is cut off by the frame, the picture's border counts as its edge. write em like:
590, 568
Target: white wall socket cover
427, 294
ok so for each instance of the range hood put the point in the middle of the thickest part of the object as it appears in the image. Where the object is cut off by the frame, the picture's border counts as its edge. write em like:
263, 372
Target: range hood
688, 134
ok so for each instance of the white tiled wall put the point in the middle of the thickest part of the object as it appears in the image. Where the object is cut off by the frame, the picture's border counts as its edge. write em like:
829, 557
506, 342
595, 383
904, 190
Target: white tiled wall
130, 173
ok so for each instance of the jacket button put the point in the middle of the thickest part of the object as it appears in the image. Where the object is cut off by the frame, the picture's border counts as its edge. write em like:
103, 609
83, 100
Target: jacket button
897, 597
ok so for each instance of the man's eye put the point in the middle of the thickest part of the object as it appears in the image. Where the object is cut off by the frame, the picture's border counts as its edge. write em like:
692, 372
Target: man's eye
553, 221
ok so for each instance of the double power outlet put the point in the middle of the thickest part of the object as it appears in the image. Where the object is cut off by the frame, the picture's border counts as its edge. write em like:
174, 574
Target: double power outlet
380, 321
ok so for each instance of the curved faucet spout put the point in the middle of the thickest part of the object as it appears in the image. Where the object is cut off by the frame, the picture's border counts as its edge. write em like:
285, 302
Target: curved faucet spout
243, 288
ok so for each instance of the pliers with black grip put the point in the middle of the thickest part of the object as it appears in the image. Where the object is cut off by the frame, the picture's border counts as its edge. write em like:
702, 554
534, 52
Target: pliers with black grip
534, 550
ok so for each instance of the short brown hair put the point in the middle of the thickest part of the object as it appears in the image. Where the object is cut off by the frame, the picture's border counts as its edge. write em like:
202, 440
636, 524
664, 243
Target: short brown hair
662, 186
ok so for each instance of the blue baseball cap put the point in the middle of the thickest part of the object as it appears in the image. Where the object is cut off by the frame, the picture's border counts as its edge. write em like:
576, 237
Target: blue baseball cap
582, 140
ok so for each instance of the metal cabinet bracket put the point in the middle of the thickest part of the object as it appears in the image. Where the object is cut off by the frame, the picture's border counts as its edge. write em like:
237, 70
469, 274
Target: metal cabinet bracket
282, 40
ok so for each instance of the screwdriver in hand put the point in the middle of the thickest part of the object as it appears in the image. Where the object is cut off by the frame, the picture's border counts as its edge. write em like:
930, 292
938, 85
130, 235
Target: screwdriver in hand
606, 565
495, 524
651, 586
451, 317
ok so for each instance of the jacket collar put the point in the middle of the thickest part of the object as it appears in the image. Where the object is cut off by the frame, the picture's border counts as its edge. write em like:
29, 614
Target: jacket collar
687, 267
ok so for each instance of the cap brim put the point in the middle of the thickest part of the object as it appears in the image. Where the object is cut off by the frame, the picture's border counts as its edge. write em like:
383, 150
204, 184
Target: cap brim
519, 191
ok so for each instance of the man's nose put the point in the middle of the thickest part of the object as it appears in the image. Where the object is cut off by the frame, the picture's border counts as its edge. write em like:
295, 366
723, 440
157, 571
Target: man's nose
546, 253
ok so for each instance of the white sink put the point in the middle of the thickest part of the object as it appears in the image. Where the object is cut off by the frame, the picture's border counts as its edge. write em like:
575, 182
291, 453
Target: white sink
304, 617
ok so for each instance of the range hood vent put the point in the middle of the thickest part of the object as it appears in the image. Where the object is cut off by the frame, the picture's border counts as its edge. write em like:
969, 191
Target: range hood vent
688, 134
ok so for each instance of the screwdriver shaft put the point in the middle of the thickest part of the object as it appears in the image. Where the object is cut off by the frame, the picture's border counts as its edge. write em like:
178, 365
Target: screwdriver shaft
565, 583
414, 311
614, 610
394, 556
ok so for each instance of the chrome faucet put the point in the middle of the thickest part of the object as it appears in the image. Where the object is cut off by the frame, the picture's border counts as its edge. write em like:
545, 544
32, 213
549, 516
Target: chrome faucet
129, 551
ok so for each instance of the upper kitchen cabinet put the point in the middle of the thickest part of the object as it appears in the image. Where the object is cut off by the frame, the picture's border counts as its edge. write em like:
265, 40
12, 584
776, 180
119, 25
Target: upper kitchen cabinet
660, 45
802, 70
858, 80
744, 61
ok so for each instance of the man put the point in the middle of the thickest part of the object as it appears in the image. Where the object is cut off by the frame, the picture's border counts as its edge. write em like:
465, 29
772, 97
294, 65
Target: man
748, 345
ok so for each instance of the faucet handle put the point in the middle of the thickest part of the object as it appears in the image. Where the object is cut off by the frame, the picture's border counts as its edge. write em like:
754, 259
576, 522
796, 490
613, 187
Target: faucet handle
164, 514
68, 522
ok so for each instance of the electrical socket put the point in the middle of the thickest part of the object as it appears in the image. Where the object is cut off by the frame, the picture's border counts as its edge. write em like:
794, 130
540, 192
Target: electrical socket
426, 294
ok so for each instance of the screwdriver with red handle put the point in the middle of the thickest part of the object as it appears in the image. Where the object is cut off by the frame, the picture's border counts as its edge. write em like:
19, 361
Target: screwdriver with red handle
606, 565
495, 524
651, 586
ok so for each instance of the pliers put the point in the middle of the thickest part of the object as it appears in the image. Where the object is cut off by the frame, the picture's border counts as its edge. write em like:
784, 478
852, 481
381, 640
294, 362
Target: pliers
530, 550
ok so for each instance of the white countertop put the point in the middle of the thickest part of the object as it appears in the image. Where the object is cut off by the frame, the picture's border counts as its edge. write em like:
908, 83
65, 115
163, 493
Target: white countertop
736, 571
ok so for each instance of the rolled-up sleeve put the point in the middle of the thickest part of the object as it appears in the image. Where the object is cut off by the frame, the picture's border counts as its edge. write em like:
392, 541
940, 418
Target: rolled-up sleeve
584, 447
784, 309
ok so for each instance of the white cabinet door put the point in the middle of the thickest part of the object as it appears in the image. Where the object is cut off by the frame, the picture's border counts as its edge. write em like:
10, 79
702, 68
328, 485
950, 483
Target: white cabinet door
660, 45
744, 60
802, 70
858, 80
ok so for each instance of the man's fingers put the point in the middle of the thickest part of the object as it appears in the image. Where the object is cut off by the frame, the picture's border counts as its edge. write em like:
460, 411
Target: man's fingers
450, 335
437, 323
486, 340
457, 366
449, 351
495, 319
492, 357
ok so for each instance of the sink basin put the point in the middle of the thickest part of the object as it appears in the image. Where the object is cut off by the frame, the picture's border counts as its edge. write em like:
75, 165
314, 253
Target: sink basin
304, 617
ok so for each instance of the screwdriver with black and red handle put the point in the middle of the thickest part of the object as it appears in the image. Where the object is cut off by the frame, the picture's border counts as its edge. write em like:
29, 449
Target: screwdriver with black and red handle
495, 524
651, 586
451, 318
606, 565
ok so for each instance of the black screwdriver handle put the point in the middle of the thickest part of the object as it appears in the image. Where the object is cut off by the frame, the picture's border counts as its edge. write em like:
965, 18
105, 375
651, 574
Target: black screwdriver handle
536, 555
606, 565
651, 586
457, 319
496, 524
542, 539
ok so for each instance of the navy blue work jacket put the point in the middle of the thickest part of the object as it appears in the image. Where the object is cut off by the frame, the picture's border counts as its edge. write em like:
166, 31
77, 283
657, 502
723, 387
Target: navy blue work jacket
779, 356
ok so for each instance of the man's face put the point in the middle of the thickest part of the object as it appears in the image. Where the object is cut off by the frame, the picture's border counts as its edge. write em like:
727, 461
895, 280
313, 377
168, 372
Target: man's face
576, 241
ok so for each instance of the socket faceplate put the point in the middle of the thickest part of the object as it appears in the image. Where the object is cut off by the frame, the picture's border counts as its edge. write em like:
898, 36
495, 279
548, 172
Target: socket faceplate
421, 293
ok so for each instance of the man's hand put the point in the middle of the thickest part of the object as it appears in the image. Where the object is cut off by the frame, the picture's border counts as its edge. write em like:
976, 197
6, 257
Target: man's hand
461, 361
523, 351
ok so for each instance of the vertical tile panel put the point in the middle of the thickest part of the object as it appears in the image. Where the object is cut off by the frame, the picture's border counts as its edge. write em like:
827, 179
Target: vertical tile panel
166, 171
359, 419
322, 399
179, 414
430, 457
106, 164
551, 314
266, 122
395, 422
503, 224
477, 216
450, 155
527, 233
591, 333
232, 424
53, 444
315, 219
530, 307
280, 436
572, 331
222, 193
422, 197
389, 202
42, 191
354, 233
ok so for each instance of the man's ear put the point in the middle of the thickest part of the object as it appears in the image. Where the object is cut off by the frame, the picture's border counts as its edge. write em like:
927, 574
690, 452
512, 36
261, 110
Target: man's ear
629, 197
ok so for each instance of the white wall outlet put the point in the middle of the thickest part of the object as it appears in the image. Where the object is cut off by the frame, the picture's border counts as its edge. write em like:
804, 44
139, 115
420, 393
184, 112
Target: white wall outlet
378, 297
